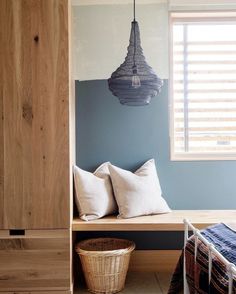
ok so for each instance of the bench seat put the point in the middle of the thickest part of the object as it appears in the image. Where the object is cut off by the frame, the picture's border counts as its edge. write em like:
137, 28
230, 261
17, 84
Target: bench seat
163, 222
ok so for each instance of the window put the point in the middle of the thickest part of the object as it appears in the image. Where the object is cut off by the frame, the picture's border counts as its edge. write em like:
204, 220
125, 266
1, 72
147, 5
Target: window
203, 85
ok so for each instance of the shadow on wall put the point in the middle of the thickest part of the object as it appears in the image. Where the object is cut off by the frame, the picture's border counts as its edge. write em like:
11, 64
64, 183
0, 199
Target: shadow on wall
128, 136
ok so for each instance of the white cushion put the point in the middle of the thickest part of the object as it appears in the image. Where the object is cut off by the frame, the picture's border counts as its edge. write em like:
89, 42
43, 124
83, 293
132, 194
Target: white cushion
138, 193
94, 194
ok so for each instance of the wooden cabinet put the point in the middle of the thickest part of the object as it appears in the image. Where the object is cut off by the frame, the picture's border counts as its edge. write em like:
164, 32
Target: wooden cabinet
35, 172
37, 261
34, 107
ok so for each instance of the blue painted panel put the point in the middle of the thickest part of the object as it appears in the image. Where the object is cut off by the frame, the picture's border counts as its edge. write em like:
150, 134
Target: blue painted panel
128, 136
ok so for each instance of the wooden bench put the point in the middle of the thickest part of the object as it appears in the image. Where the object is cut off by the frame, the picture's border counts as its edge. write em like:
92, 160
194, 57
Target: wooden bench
156, 260
163, 222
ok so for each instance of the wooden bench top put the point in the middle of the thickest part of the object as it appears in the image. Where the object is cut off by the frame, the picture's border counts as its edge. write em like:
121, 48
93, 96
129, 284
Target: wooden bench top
163, 222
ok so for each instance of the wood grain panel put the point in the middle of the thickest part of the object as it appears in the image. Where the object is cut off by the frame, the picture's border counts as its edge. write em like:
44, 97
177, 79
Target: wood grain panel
35, 264
12, 92
35, 105
154, 260
51, 134
1, 126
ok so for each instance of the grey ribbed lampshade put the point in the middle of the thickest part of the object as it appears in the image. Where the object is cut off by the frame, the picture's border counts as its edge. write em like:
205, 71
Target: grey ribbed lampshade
120, 82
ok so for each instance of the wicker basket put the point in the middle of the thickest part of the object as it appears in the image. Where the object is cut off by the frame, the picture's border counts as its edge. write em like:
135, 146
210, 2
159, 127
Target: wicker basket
105, 263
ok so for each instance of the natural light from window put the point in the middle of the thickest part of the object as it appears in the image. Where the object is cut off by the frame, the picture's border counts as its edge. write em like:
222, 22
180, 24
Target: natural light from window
203, 86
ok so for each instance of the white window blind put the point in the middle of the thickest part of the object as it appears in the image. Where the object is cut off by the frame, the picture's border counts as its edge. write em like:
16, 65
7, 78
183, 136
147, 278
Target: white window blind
203, 85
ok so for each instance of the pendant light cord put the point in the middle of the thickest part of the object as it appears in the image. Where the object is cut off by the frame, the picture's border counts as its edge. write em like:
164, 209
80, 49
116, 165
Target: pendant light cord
134, 10
134, 38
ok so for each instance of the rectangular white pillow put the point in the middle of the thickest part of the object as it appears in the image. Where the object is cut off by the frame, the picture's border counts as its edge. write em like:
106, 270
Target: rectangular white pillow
94, 194
138, 193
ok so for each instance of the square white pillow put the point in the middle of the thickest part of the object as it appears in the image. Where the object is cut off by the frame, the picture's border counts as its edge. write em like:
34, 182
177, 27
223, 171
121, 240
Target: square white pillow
138, 193
94, 194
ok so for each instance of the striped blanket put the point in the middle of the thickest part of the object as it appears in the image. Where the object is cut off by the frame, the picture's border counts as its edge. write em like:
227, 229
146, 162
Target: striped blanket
224, 239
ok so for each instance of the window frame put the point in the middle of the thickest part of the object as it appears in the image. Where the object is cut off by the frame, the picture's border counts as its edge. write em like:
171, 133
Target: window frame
192, 156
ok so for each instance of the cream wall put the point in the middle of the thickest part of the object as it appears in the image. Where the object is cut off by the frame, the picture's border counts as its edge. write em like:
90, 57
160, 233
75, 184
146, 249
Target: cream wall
101, 30
101, 35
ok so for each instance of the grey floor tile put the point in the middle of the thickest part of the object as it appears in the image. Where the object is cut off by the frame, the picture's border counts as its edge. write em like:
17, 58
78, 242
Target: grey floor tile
137, 283
164, 279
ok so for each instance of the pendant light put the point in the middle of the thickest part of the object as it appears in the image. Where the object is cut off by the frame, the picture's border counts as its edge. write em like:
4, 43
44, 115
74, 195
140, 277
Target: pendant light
135, 82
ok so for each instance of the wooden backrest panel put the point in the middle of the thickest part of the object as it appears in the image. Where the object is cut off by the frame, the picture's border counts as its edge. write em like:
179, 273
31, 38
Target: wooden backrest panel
34, 172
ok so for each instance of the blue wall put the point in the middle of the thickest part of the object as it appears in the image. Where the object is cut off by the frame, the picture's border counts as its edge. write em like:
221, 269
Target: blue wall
128, 136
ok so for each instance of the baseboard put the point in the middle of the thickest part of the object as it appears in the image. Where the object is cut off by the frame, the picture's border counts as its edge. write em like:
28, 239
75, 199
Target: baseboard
154, 260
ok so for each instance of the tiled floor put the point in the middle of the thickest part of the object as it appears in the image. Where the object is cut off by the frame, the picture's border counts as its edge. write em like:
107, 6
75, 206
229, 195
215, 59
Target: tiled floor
143, 283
